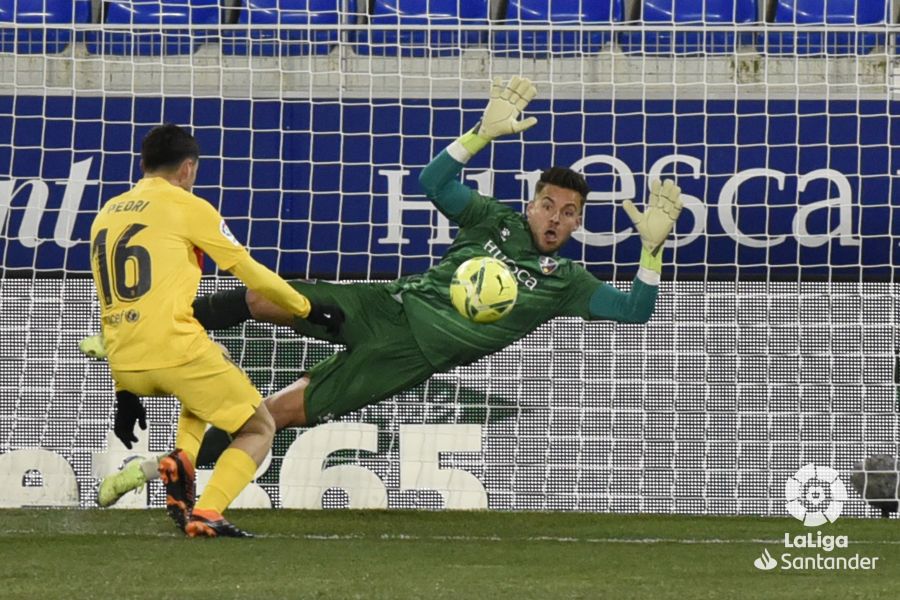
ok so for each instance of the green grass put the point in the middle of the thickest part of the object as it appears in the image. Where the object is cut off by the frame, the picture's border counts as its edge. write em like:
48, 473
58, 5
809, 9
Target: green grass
397, 554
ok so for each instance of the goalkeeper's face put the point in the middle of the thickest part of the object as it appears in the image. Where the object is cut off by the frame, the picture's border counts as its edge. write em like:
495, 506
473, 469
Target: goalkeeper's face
553, 215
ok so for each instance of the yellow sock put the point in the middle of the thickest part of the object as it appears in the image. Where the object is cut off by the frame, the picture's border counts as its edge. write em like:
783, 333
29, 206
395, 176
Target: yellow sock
189, 448
234, 470
189, 434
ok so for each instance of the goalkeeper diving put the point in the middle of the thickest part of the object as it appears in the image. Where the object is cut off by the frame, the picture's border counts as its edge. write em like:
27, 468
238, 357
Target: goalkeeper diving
398, 334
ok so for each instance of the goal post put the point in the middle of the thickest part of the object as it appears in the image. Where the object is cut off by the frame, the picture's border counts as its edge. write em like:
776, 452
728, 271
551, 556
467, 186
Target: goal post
772, 345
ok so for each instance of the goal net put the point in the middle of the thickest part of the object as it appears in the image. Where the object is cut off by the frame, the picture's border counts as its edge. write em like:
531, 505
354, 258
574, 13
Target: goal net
772, 345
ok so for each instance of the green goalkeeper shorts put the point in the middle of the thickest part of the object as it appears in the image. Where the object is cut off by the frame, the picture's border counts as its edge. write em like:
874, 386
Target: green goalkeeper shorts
382, 357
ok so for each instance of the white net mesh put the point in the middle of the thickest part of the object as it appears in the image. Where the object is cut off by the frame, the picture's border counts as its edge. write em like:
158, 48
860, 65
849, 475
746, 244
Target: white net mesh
771, 347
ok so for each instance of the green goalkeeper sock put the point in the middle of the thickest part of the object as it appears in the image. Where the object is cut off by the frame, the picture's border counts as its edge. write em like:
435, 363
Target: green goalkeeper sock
215, 442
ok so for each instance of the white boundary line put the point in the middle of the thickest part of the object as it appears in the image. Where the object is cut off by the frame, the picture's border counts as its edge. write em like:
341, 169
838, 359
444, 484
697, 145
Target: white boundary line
401, 537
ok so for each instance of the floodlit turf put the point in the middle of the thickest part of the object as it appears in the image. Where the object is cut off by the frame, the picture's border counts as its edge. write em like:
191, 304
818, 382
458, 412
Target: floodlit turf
363, 554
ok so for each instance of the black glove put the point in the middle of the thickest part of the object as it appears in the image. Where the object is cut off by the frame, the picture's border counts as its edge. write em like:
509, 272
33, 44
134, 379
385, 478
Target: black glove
129, 411
329, 316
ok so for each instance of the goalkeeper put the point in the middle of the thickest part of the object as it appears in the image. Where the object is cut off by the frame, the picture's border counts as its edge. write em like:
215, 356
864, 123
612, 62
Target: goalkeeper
398, 334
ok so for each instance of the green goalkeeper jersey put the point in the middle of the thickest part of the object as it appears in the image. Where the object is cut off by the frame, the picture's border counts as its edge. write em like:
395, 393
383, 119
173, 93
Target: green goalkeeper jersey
549, 286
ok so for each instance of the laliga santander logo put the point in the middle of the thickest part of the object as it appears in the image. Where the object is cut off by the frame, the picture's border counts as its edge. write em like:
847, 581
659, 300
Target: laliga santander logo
808, 490
815, 495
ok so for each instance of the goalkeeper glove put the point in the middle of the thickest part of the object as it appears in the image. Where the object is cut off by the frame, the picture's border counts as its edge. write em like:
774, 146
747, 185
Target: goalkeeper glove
501, 116
329, 316
129, 411
657, 221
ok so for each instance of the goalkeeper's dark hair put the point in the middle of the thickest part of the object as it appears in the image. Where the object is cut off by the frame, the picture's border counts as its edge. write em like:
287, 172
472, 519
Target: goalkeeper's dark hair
167, 146
565, 178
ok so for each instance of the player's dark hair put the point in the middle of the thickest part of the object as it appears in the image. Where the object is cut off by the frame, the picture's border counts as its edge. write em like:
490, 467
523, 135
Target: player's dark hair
565, 178
167, 146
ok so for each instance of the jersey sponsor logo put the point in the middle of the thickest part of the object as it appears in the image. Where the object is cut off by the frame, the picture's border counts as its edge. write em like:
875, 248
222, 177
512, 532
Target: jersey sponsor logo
548, 265
129, 316
227, 233
523, 276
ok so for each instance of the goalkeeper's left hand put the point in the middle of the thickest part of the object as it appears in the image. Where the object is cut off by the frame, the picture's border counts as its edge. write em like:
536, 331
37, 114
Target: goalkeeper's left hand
657, 221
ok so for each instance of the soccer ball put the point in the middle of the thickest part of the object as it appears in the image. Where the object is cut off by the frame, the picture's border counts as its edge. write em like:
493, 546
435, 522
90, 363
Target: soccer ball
483, 289
875, 479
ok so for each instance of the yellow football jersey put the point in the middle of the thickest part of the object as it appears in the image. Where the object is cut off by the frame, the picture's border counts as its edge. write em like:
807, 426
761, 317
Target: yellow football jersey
147, 269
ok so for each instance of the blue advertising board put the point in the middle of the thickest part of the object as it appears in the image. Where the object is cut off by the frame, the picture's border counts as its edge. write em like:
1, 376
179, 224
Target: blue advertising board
328, 187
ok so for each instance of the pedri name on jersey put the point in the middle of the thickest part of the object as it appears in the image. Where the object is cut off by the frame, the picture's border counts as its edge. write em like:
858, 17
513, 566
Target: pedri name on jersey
130, 206
522, 275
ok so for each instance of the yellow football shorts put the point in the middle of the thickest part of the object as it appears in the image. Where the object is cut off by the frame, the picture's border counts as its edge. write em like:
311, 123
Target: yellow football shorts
211, 387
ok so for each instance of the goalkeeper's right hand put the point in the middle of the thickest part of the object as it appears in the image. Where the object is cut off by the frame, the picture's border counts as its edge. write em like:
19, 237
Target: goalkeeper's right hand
501, 116
657, 221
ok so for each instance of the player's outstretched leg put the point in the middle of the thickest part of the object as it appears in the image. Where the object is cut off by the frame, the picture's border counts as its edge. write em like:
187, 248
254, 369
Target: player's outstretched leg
130, 477
177, 473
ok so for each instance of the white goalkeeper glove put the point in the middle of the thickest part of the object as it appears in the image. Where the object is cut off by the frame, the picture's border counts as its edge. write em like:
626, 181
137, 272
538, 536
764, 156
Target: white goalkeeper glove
656, 222
501, 116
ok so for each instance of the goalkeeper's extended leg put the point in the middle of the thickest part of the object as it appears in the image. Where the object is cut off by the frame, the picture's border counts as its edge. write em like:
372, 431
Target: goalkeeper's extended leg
229, 308
224, 309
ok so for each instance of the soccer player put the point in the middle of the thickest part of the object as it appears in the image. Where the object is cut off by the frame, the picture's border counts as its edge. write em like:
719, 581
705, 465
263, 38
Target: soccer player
398, 334
145, 260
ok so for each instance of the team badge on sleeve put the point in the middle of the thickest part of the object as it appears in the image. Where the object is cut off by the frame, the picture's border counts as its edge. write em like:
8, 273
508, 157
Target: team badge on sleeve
227, 233
548, 265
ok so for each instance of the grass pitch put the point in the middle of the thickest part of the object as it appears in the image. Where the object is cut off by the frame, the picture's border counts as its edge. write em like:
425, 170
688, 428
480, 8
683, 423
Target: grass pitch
396, 554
